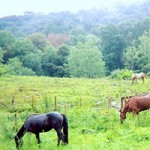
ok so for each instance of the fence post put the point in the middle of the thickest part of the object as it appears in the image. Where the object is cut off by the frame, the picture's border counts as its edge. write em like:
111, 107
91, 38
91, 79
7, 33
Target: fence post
13, 103
109, 102
15, 121
80, 102
32, 102
122, 100
65, 108
55, 104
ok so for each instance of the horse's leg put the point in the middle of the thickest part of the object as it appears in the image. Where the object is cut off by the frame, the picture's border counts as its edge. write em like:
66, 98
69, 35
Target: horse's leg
132, 81
60, 136
136, 80
38, 137
142, 79
138, 115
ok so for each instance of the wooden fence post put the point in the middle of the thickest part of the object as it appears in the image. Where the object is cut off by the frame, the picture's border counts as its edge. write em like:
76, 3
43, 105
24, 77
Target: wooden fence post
109, 102
122, 101
13, 103
32, 102
65, 108
15, 121
55, 103
80, 102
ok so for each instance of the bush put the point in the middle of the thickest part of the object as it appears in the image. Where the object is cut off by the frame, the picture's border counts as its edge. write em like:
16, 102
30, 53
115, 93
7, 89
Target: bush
3, 69
16, 68
121, 74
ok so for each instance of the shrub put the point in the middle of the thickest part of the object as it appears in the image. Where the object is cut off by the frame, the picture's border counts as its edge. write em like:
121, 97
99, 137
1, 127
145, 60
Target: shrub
3, 69
121, 74
16, 68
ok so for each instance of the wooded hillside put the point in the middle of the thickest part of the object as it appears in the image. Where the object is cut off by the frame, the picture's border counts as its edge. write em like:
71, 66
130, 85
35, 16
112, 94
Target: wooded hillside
90, 43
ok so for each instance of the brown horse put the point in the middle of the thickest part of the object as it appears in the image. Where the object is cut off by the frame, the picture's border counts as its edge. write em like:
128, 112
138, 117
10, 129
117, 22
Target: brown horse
135, 105
127, 98
138, 76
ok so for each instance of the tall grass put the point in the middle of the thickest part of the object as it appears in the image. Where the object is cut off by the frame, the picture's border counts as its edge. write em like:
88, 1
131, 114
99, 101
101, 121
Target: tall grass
92, 126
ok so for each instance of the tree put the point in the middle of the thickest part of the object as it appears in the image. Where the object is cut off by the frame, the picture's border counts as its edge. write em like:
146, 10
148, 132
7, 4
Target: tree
137, 58
16, 68
1, 55
6, 39
85, 60
19, 49
33, 61
112, 47
144, 50
3, 68
63, 52
50, 63
131, 57
57, 40
39, 40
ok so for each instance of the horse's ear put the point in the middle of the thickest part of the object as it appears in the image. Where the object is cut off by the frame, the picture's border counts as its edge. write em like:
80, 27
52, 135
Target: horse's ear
121, 111
122, 98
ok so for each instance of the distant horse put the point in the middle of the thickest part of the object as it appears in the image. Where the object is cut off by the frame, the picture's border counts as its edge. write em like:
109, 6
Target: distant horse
135, 105
37, 123
137, 76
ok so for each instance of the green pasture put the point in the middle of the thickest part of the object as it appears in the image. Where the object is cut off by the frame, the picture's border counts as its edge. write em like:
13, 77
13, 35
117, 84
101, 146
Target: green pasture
93, 125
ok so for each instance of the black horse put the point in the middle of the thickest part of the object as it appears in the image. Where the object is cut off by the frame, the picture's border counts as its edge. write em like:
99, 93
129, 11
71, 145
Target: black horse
37, 123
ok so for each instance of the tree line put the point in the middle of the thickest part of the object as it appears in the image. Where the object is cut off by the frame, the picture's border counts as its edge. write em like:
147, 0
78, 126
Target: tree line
72, 45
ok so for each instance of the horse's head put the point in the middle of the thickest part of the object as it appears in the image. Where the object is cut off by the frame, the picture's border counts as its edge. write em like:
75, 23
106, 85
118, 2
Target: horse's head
122, 116
16, 141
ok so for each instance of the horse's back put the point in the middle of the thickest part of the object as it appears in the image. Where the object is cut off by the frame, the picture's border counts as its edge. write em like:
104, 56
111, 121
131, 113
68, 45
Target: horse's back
43, 122
138, 75
35, 122
36, 118
55, 119
133, 76
144, 101
140, 103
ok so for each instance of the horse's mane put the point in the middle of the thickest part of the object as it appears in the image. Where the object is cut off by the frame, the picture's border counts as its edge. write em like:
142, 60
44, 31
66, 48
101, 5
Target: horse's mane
126, 105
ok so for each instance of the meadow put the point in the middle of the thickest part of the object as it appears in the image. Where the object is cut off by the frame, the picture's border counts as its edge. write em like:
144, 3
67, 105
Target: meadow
93, 124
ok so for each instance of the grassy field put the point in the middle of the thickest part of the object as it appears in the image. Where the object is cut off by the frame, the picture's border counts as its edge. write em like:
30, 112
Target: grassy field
92, 124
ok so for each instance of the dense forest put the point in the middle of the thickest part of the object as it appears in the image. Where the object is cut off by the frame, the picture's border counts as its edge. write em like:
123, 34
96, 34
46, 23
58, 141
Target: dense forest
89, 43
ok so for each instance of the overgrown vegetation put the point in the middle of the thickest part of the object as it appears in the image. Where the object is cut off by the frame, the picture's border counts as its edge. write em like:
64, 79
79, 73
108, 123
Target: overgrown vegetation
92, 124
91, 43
122, 74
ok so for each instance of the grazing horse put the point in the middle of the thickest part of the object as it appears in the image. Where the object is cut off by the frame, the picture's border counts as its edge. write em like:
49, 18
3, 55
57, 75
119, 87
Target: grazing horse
135, 105
37, 123
137, 76
127, 98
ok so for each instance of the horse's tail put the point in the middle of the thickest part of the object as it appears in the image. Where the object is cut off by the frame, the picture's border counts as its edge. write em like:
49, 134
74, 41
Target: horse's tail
65, 127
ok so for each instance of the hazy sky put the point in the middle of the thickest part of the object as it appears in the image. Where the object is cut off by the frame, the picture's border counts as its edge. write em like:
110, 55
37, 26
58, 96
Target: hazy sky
18, 7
